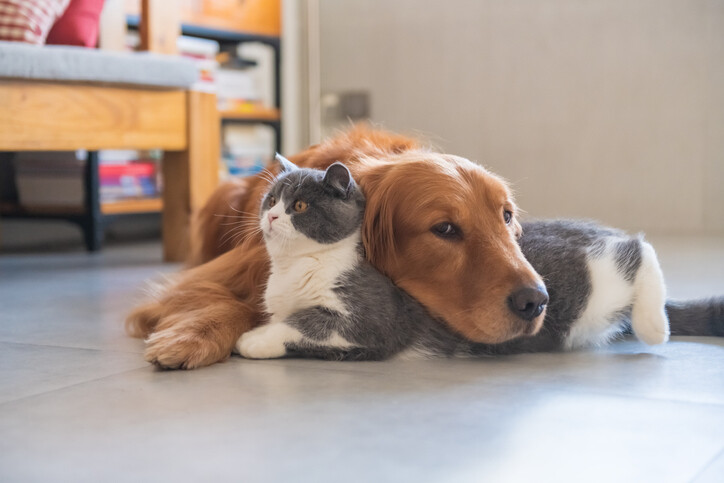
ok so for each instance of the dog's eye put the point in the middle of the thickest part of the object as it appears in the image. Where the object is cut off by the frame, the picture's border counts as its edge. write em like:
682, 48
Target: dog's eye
272, 201
446, 230
507, 216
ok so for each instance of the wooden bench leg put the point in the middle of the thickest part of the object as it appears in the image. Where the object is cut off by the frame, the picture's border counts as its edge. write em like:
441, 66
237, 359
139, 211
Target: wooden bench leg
190, 176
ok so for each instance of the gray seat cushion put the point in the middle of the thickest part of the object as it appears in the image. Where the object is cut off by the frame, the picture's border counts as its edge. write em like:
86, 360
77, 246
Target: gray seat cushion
61, 63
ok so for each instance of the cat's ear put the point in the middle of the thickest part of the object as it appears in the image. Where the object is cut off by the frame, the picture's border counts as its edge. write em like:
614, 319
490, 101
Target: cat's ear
286, 165
338, 178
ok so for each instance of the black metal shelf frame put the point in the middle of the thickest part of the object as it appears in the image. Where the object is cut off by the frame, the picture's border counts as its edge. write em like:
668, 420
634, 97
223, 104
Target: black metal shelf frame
90, 219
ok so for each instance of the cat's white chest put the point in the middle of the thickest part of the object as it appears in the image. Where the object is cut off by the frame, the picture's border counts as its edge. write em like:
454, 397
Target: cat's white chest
305, 281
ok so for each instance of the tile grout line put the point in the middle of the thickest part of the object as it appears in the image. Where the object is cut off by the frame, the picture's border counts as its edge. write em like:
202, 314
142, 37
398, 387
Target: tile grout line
68, 347
96, 379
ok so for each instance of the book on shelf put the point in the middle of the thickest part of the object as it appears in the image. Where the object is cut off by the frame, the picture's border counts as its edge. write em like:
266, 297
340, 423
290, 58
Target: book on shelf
55, 178
203, 53
130, 180
128, 174
246, 150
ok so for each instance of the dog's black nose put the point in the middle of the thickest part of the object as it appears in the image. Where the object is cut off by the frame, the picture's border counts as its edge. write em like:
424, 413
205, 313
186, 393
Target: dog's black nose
528, 302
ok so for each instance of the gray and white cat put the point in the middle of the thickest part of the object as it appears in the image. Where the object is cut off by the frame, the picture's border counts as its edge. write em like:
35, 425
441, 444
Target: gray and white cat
326, 301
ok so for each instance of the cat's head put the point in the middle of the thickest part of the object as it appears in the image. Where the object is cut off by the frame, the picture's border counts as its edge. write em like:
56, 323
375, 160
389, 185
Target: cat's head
308, 207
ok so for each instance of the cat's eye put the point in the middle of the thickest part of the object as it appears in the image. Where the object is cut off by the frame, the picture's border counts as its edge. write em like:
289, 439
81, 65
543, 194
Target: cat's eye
300, 206
446, 230
507, 216
272, 201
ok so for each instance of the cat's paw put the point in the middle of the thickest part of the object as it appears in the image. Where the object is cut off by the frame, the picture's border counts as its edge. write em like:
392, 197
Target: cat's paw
266, 342
650, 324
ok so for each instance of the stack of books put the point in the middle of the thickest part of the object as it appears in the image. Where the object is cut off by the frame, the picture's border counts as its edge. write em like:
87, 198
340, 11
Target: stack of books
247, 149
245, 83
203, 53
128, 174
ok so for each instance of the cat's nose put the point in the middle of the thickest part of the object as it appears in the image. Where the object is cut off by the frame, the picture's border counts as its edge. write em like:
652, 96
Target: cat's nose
528, 302
272, 217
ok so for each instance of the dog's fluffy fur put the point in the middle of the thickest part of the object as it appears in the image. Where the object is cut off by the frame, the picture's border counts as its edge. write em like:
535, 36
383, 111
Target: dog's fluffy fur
465, 280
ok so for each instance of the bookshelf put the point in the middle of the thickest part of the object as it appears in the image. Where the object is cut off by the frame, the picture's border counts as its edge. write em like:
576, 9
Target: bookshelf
259, 22
208, 27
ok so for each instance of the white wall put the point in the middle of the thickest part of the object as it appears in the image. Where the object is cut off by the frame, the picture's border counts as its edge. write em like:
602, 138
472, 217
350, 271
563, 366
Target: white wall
605, 109
295, 74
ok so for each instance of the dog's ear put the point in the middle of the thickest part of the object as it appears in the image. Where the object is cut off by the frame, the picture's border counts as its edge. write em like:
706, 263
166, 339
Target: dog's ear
285, 164
378, 228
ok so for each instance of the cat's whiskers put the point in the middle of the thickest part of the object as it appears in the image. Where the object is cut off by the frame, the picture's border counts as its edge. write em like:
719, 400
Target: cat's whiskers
238, 240
244, 222
241, 222
229, 235
267, 175
242, 231
242, 213
237, 231
281, 240
244, 216
301, 180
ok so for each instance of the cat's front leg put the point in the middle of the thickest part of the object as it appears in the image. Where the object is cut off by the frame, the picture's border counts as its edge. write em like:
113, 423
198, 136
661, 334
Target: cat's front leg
268, 341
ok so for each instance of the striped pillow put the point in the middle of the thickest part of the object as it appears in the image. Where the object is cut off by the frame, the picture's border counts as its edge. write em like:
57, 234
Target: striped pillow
29, 20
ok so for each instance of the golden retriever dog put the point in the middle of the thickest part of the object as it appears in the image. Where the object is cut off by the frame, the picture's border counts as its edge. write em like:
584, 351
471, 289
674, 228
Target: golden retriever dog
441, 227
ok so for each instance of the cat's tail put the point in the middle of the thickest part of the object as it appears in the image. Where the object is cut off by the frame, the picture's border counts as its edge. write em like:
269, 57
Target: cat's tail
696, 317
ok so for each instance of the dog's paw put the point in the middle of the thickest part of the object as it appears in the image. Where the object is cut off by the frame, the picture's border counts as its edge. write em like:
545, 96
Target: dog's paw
266, 342
180, 348
650, 324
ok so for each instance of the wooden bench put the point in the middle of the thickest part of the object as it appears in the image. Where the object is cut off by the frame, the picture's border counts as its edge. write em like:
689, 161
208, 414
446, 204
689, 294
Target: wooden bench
66, 98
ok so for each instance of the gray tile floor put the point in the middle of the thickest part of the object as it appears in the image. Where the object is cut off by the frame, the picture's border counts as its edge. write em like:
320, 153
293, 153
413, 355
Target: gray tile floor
78, 403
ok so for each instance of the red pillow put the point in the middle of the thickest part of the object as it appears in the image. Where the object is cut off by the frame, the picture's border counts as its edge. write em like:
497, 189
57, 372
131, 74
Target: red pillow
29, 20
78, 25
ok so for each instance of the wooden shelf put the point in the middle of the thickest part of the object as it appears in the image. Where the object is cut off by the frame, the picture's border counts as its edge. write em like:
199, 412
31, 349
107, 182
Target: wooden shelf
266, 114
12, 209
141, 205
120, 207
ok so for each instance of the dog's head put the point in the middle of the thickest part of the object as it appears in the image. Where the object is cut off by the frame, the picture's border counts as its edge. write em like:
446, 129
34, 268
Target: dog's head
445, 230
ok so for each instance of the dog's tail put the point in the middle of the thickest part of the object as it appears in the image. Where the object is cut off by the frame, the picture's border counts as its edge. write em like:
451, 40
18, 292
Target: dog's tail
696, 317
